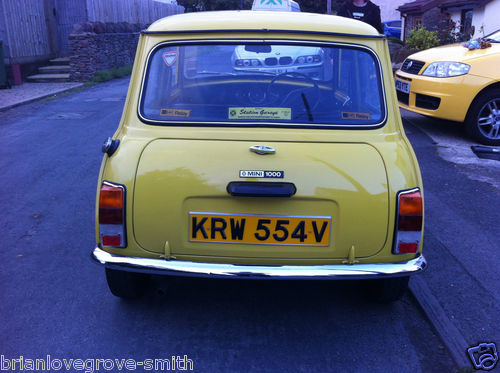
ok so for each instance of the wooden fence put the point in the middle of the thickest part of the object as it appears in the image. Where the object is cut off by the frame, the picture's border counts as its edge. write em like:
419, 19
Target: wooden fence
34, 30
68, 12
132, 11
23, 29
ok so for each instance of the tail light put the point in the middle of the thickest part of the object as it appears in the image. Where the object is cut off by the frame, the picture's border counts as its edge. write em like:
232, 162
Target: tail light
409, 222
112, 215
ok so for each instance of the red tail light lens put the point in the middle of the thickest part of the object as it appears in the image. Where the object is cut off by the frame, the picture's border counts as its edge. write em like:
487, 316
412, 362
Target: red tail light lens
409, 222
111, 240
112, 215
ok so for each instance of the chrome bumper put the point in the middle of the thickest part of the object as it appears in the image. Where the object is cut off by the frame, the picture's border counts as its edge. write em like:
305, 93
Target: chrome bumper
286, 272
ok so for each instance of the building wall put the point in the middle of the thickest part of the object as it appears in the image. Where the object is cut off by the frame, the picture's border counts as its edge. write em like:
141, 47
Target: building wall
432, 20
491, 20
388, 8
485, 20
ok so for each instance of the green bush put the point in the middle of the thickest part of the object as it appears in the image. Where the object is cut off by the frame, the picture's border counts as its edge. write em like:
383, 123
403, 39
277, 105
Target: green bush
395, 40
420, 38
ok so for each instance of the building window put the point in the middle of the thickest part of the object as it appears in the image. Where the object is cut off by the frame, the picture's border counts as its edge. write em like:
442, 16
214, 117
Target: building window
417, 21
466, 28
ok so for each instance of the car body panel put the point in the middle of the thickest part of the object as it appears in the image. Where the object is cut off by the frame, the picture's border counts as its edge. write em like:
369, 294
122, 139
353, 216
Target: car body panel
454, 104
169, 171
263, 21
455, 52
456, 93
392, 28
175, 177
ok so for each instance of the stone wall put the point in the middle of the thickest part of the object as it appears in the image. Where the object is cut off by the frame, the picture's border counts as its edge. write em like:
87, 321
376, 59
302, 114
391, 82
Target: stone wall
432, 20
99, 46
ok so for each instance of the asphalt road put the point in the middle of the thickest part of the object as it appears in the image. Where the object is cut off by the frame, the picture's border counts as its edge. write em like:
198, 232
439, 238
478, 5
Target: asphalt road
54, 301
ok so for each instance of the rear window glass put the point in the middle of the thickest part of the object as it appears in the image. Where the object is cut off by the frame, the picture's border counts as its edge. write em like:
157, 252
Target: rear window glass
263, 84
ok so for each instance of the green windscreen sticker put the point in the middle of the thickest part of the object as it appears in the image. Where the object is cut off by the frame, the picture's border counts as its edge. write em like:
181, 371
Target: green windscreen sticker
270, 113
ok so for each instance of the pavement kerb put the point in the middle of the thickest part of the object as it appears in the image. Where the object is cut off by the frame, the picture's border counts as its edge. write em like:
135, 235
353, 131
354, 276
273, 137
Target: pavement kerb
453, 340
451, 337
41, 97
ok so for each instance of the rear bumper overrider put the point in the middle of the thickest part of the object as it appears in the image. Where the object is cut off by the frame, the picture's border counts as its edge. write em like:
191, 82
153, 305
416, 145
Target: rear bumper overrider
285, 272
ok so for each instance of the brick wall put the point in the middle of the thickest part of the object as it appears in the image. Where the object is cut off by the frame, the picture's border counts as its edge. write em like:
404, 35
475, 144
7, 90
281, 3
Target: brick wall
96, 46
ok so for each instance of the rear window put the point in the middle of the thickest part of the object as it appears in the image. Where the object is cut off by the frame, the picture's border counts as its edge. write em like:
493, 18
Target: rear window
394, 24
257, 84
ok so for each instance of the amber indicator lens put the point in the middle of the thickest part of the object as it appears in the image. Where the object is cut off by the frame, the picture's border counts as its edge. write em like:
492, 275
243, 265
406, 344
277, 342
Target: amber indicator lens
111, 196
410, 203
410, 212
111, 205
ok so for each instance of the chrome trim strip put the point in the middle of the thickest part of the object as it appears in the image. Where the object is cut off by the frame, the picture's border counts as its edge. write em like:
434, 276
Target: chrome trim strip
292, 31
285, 272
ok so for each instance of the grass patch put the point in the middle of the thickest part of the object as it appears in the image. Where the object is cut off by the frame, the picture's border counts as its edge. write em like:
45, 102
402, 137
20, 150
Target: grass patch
99, 77
68, 92
105, 75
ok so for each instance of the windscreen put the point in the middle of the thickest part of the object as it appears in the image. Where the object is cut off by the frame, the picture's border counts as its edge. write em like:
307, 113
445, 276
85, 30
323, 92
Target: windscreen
263, 84
494, 37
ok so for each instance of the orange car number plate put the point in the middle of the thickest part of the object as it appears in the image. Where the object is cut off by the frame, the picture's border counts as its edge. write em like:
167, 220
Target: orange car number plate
260, 229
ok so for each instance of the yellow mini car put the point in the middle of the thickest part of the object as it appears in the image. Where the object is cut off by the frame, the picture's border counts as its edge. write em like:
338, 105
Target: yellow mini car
277, 172
455, 83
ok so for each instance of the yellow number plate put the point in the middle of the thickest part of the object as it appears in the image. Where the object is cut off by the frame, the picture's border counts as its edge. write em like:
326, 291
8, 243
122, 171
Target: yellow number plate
260, 229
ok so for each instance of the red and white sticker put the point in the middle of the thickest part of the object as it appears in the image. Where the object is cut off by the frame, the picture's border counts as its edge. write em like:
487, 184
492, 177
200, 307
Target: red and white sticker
170, 58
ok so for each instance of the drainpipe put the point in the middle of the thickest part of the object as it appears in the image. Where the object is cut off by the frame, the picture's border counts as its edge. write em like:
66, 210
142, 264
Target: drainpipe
403, 27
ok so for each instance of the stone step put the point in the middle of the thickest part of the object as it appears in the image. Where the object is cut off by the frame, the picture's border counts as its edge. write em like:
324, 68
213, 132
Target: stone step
54, 69
60, 61
45, 78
